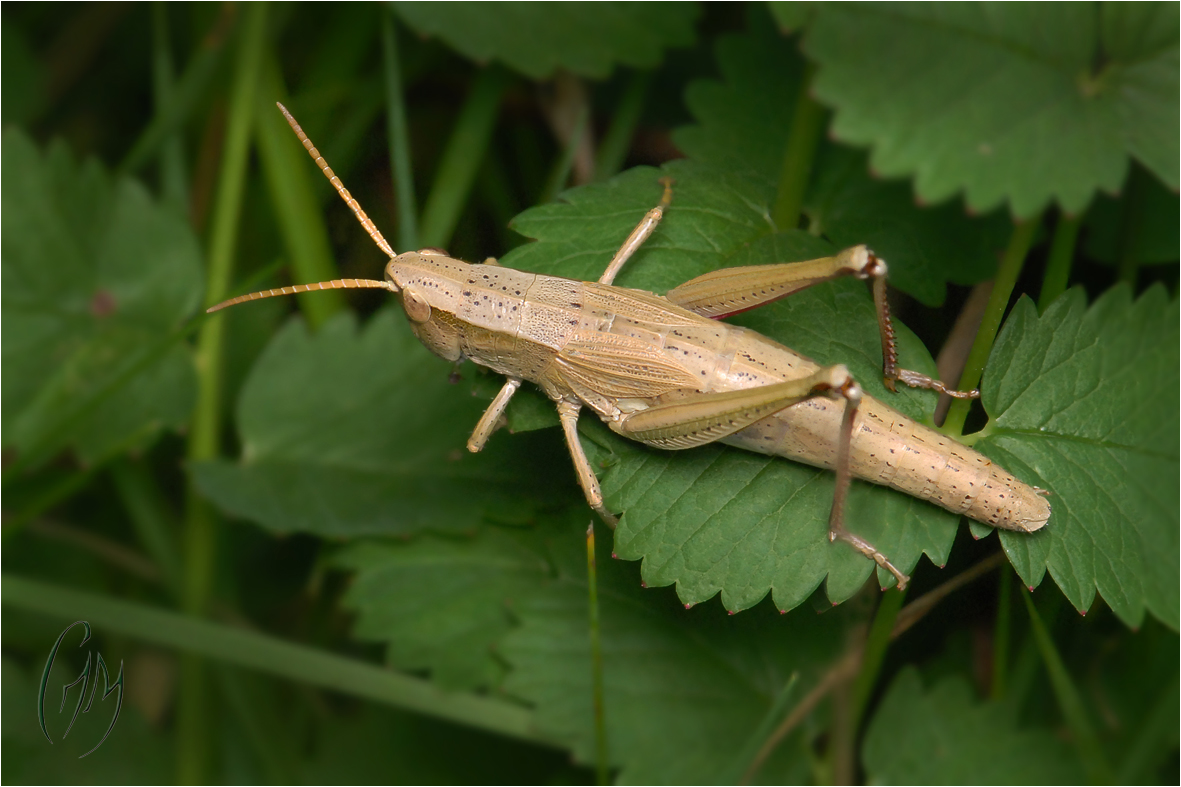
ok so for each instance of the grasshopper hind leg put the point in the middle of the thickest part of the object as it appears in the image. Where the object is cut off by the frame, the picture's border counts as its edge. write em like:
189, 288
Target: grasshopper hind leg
851, 392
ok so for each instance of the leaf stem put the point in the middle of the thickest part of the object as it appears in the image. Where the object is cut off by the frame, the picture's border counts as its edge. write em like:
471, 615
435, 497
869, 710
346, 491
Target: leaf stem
461, 158
200, 521
399, 136
807, 124
1069, 701
998, 302
602, 762
271, 655
1061, 257
617, 141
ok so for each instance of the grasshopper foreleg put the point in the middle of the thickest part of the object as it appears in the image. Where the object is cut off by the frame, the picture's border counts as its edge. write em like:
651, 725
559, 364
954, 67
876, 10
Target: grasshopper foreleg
568, 413
490, 421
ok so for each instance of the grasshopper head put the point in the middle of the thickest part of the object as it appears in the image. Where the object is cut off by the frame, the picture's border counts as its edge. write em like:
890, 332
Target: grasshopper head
429, 283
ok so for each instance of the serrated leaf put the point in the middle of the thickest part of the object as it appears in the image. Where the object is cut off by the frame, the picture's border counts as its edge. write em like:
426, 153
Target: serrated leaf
96, 280
683, 691
442, 604
357, 432
717, 518
1024, 104
1087, 403
537, 39
743, 122
943, 736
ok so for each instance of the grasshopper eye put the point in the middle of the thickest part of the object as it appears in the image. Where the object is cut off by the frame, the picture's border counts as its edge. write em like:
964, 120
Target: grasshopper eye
416, 306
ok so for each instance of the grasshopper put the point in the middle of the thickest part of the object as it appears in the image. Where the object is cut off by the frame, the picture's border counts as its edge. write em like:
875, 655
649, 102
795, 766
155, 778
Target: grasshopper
662, 370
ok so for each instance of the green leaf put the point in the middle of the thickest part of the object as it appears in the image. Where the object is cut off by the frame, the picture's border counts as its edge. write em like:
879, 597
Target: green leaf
718, 518
925, 247
588, 39
357, 432
683, 691
943, 736
1022, 104
442, 604
97, 279
743, 122
1086, 404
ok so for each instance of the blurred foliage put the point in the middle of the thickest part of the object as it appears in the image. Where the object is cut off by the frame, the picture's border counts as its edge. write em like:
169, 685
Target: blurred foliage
295, 472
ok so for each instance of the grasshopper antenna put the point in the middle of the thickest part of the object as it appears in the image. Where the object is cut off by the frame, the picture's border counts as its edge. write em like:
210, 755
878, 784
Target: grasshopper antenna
366, 222
335, 284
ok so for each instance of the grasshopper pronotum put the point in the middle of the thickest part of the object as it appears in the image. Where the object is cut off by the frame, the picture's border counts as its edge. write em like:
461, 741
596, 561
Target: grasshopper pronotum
663, 371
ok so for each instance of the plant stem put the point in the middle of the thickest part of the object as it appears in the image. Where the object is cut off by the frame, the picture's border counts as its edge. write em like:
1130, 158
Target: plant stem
399, 135
998, 302
1061, 256
200, 521
807, 124
285, 165
602, 763
616, 143
1069, 701
461, 158
271, 655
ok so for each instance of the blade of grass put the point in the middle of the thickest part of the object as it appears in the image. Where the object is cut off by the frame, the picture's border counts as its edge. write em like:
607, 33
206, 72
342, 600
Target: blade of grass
461, 158
602, 762
186, 94
1061, 256
1069, 701
193, 721
399, 136
151, 517
174, 188
1002, 633
285, 166
746, 757
270, 655
618, 139
807, 124
560, 174
1147, 746
998, 302
876, 644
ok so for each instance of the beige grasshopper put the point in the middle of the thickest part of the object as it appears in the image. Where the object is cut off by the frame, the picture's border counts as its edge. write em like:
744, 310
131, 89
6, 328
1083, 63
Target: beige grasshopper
663, 371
